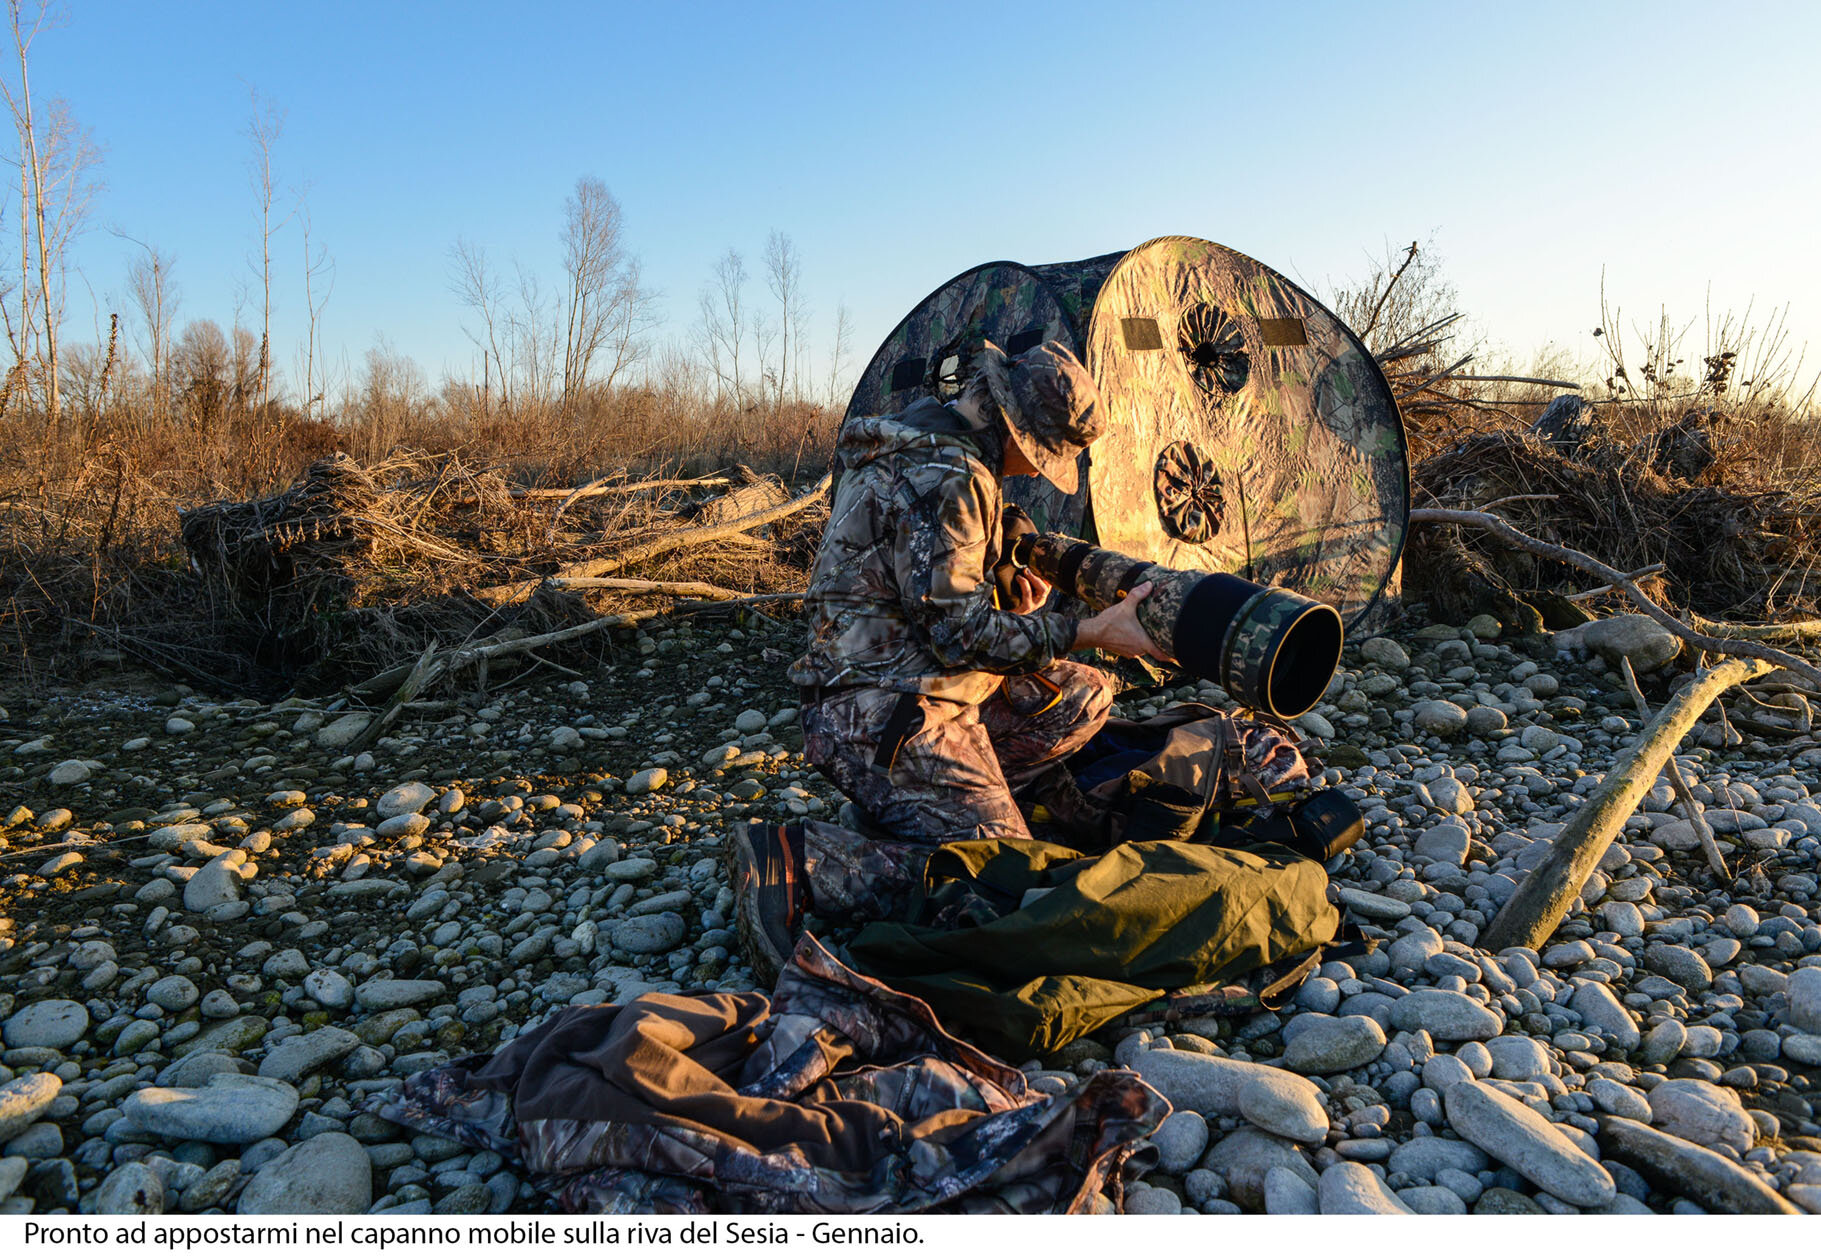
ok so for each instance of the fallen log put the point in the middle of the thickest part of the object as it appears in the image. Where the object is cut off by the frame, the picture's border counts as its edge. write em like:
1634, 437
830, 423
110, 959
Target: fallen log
1542, 899
675, 588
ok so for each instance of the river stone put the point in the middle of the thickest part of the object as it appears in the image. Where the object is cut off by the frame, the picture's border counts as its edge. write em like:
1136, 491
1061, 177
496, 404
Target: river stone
1349, 1189
329, 1173
1371, 906
1446, 841
336, 735
1680, 964
382, 994
296, 1058
1710, 1179
69, 772
1208, 1084
1334, 1044
646, 781
329, 988
1664, 1042
407, 799
1597, 1005
1283, 1103
1385, 652
650, 934
1246, 1155
235, 1034
1804, 993
1508, 1131
232, 1108
1180, 1140
1288, 1195
1424, 1158
1702, 1113
175, 993
24, 1099
1618, 1098
1517, 1058
133, 1189
1447, 1015
1639, 638
1439, 716
55, 1023
215, 883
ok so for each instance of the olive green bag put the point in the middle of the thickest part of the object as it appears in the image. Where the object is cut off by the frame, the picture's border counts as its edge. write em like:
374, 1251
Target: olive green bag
1024, 946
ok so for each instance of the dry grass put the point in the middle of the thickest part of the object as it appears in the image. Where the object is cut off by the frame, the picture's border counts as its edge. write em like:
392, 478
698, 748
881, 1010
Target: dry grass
93, 563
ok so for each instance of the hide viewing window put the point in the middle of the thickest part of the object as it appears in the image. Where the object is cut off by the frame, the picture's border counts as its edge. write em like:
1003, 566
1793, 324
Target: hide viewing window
1214, 349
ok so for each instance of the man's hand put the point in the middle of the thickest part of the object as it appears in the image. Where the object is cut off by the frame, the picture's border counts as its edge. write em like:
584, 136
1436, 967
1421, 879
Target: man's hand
1117, 630
1029, 592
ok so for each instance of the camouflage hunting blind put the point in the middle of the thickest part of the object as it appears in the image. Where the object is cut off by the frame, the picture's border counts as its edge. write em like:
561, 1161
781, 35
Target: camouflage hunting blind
1248, 430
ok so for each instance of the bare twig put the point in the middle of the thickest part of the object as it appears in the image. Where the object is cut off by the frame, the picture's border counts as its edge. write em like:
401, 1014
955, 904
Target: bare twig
1639, 574
1691, 810
674, 588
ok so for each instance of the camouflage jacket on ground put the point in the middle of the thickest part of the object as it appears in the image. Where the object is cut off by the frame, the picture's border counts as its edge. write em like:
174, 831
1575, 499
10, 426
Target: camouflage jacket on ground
902, 594
836, 1094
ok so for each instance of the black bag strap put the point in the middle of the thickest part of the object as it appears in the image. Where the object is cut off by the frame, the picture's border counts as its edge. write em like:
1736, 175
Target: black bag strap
901, 725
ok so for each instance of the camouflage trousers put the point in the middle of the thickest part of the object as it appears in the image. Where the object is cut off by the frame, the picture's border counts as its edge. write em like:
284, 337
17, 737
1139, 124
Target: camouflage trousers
952, 779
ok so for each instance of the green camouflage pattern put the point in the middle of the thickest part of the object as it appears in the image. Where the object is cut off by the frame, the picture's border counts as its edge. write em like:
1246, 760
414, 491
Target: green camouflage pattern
1002, 302
901, 597
1269, 613
1296, 452
1305, 439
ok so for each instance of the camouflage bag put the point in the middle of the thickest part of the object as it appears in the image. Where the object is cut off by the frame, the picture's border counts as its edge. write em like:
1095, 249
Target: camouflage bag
1184, 774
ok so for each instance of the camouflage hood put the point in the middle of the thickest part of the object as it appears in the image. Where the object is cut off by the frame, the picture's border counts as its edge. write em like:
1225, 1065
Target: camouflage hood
926, 427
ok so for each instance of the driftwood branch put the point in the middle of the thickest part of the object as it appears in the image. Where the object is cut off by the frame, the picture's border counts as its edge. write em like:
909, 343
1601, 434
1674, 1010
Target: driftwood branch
1737, 646
673, 588
1691, 810
1542, 899
518, 591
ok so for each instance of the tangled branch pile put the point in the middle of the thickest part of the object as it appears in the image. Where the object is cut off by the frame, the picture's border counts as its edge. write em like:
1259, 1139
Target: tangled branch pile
1725, 545
357, 568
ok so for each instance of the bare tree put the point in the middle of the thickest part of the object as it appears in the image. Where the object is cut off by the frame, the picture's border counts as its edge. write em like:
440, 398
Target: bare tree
319, 270
837, 360
265, 124
784, 278
606, 310
473, 280
725, 323
56, 160
153, 293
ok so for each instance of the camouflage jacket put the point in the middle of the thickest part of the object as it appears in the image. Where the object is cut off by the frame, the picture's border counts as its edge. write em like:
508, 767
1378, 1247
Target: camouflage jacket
902, 594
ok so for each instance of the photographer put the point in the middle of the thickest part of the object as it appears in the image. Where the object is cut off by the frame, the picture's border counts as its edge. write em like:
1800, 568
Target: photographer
923, 700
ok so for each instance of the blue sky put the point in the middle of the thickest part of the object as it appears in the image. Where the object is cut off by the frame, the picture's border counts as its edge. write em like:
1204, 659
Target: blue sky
1672, 145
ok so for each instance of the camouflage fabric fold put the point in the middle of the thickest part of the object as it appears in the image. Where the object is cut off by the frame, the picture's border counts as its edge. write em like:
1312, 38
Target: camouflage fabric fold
834, 1095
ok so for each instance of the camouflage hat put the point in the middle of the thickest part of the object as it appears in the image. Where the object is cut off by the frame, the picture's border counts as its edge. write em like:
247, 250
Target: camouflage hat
1051, 406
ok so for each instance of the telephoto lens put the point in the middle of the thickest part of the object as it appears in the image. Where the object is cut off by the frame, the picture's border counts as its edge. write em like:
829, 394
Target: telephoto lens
1272, 650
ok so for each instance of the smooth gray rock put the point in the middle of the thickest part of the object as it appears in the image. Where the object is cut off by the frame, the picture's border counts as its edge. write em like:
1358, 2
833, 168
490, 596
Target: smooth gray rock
1283, 1103
215, 883
1180, 1140
1246, 1155
232, 1108
330, 989
407, 799
175, 993
1508, 1131
1517, 1058
648, 935
24, 1099
55, 1023
1702, 1113
1433, 1201
1677, 1165
382, 994
296, 1058
1349, 1189
1288, 1194
1804, 993
1333, 1044
1424, 1158
1597, 1005
132, 1189
329, 1173
1448, 1016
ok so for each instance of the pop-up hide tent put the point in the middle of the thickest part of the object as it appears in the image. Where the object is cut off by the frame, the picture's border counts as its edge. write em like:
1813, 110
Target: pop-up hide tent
1248, 429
